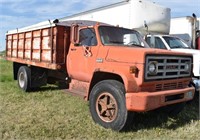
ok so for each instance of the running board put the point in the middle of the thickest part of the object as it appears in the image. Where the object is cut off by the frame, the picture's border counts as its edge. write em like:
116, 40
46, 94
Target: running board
78, 88
76, 93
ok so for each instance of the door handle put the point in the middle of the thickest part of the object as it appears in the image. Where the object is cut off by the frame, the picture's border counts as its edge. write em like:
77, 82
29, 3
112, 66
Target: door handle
73, 49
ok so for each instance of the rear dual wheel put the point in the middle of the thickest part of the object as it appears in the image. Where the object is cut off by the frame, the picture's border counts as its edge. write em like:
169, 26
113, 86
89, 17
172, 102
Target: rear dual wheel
24, 77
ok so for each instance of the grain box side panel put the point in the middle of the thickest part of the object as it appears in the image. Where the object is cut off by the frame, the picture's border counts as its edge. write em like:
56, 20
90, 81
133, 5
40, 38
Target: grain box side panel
27, 45
8, 45
46, 45
63, 42
20, 45
42, 47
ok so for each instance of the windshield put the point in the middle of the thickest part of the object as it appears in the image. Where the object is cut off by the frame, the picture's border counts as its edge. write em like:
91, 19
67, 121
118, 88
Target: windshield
175, 43
120, 37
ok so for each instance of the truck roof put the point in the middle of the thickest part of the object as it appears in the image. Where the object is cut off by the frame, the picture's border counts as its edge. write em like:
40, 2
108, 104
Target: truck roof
52, 23
80, 22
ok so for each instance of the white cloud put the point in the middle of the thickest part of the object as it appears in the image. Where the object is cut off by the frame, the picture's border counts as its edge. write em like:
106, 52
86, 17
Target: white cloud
12, 1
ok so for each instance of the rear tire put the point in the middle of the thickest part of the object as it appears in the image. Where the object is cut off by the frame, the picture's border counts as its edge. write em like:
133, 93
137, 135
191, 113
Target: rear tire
108, 106
24, 78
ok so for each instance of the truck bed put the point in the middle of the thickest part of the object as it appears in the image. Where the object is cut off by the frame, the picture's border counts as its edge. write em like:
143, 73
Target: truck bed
45, 47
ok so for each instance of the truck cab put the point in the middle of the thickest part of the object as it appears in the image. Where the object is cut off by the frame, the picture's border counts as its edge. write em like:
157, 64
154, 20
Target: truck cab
113, 60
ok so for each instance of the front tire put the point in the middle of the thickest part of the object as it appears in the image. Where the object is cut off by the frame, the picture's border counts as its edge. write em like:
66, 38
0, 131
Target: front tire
108, 106
24, 78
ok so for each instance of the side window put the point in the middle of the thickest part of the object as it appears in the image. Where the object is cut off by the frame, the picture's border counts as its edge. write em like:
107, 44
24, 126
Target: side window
87, 37
159, 43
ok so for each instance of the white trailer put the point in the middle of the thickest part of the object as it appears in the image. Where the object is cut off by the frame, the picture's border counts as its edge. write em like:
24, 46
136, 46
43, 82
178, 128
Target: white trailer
187, 28
132, 14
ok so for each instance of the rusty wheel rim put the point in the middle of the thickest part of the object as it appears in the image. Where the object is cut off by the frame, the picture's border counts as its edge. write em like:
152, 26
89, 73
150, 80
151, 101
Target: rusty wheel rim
106, 107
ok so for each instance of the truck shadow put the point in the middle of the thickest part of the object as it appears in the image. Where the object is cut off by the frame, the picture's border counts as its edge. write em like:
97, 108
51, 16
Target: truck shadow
50, 87
161, 120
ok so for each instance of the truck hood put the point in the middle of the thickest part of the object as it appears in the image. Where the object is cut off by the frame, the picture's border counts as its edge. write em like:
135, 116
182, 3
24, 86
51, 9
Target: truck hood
135, 55
190, 51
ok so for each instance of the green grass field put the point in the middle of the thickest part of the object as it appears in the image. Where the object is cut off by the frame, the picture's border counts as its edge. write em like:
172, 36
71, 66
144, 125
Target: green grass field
53, 114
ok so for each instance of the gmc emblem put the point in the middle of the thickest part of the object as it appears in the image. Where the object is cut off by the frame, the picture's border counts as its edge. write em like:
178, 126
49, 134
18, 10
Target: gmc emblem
171, 67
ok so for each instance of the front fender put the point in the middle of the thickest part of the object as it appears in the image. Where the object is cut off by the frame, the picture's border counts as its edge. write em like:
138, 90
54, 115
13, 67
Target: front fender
129, 80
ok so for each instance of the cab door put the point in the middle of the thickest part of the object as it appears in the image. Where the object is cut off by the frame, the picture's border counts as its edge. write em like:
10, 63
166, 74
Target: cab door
81, 58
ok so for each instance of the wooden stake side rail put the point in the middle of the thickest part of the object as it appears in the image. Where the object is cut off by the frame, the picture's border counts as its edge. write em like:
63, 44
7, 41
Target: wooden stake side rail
45, 47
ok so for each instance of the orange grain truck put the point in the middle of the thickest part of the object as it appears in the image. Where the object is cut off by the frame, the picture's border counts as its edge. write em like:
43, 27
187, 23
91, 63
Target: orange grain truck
110, 66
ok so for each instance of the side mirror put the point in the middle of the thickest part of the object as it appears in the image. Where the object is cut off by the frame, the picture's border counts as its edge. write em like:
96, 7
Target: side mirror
152, 41
146, 26
75, 34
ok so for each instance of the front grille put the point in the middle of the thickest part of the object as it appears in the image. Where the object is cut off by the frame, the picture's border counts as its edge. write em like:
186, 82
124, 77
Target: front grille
169, 86
168, 67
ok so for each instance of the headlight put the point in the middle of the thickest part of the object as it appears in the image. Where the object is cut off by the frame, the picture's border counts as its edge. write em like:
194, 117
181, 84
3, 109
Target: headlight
152, 68
199, 68
187, 67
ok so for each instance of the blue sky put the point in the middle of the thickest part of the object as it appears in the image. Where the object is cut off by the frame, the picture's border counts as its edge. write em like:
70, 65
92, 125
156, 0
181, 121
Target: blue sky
19, 13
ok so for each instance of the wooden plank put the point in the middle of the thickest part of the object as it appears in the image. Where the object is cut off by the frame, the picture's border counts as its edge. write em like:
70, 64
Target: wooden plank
11, 44
31, 48
17, 47
40, 45
51, 44
24, 44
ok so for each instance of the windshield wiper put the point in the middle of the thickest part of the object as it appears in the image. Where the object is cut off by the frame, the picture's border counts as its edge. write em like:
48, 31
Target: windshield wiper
117, 42
129, 44
133, 43
175, 47
137, 45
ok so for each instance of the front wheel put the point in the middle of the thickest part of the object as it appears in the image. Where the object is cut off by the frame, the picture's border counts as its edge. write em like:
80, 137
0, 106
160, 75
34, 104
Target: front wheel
108, 107
23, 77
